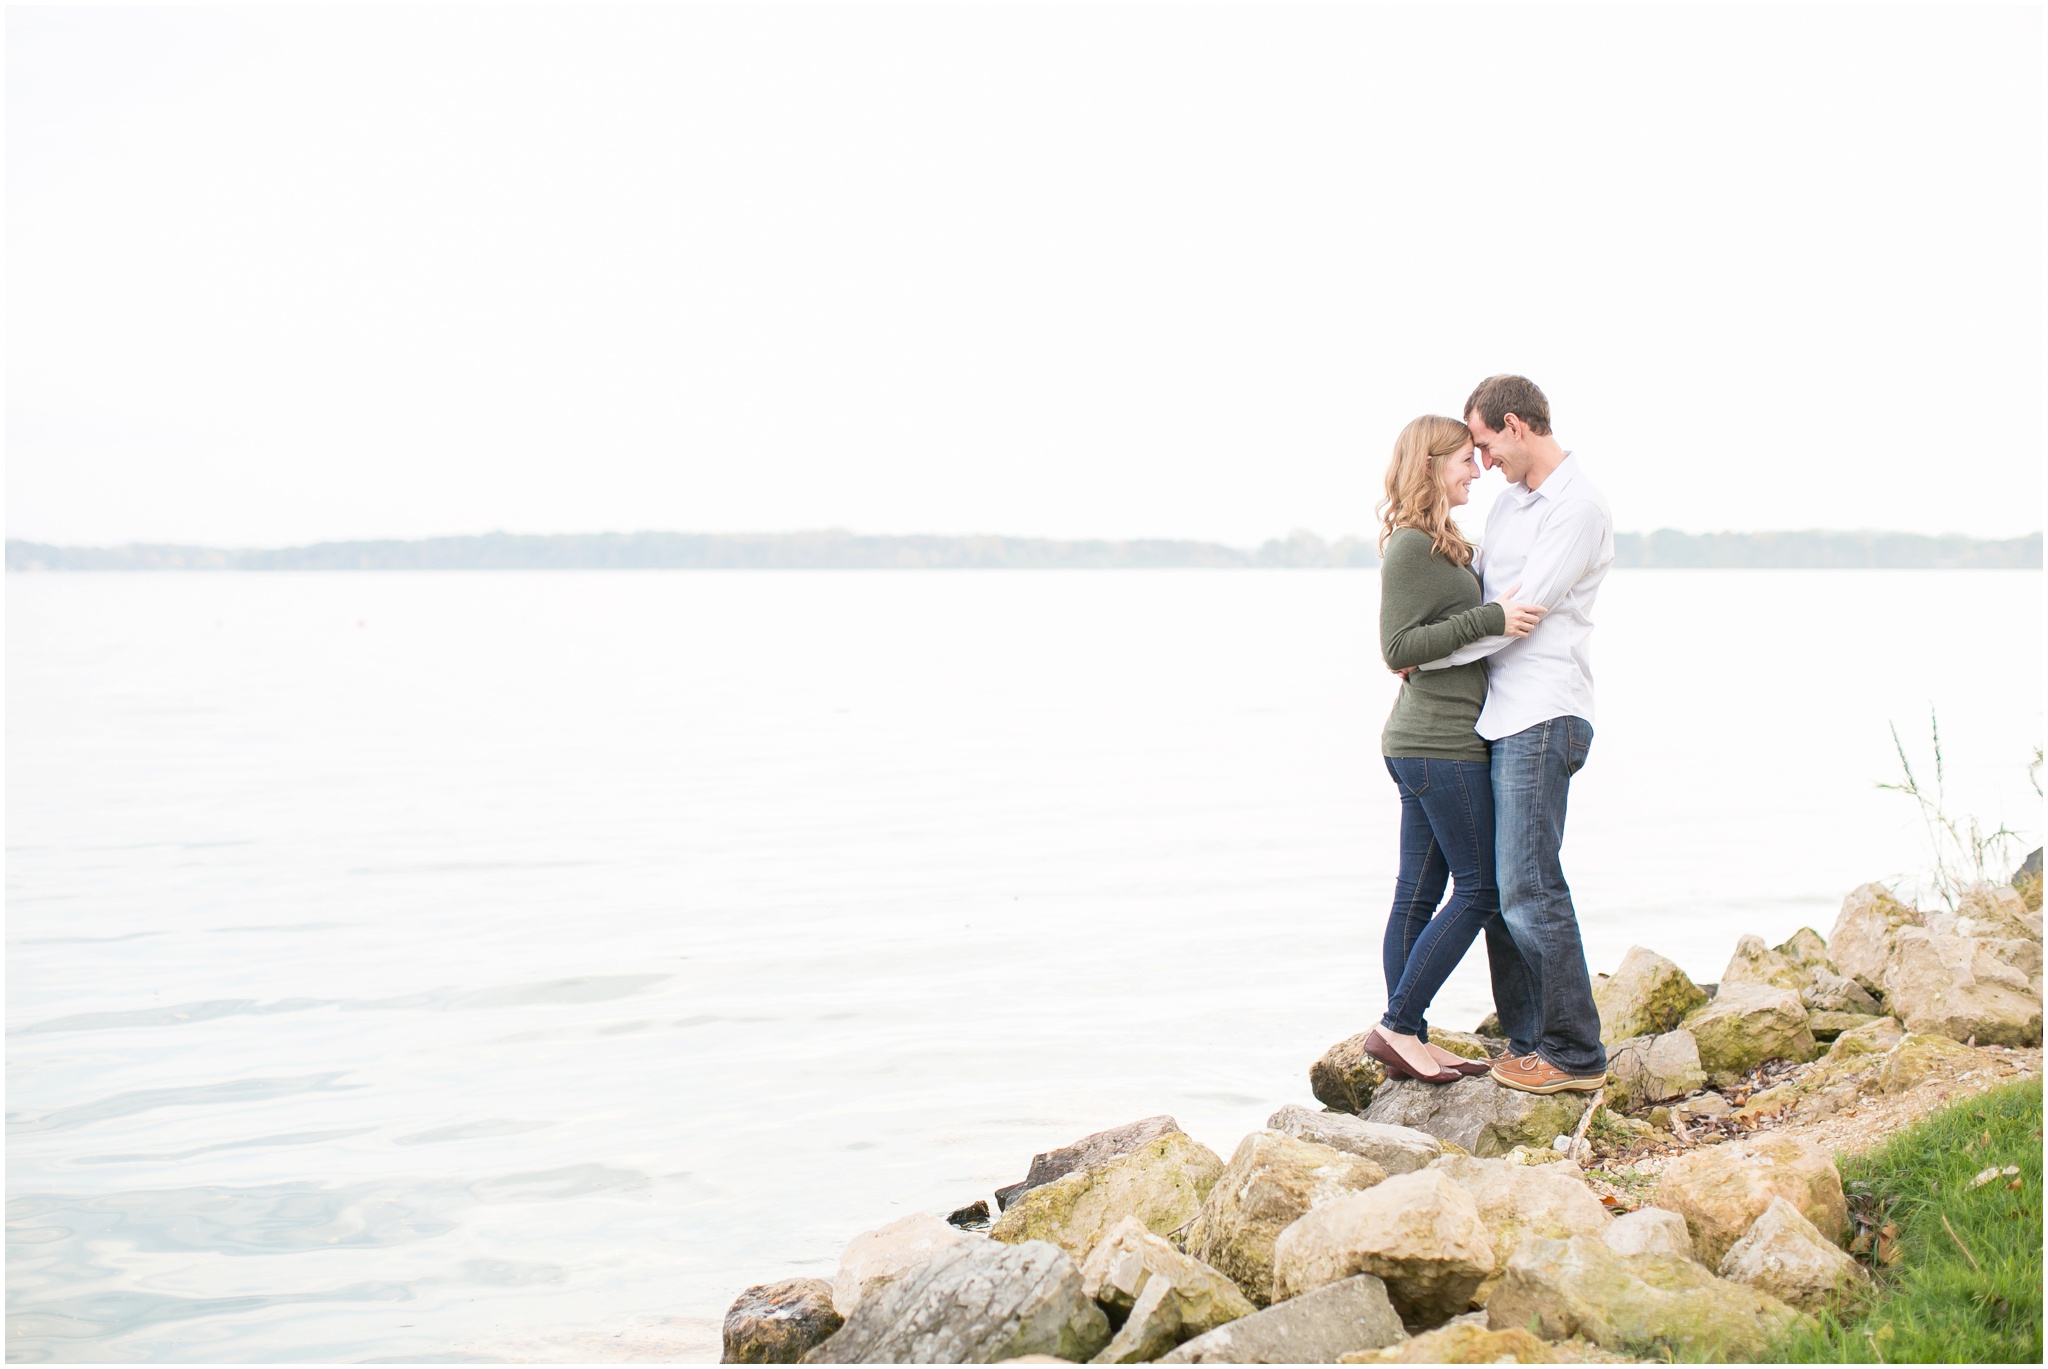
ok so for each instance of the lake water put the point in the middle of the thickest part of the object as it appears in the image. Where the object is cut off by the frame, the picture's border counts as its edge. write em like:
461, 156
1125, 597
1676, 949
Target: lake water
518, 965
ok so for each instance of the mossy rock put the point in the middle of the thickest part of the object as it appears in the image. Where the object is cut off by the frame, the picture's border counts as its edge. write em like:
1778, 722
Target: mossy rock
1920, 1057
1659, 1306
1747, 1024
1345, 1078
1467, 1045
1162, 1184
1647, 996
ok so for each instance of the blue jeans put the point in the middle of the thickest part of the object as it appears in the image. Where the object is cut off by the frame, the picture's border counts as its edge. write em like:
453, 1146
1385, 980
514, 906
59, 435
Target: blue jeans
1446, 833
1546, 1001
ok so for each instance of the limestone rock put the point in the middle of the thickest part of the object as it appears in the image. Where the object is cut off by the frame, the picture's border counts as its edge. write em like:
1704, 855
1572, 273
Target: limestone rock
1831, 992
1767, 1103
1346, 1077
1397, 1150
1270, 1182
1851, 1062
1918, 1058
1650, 1231
1470, 1045
1419, 1233
1756, 963
2021, 953
1958, 987
1316, 1328
1721, 1190
775, 1323
1477, 1115
1461, 1342
1786, 1256
1645, 996
1517, 1201
1875, 1036
1861, 944
888, 1251
1097, 1149
1653, 1069
1162, 1184
975, 1303
1163, 1296
1994, 912
1805, 949
1747, 1024
1634, 1303
1826, 1026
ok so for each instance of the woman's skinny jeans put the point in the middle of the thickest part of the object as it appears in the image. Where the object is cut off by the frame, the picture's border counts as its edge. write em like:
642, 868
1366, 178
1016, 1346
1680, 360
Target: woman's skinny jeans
1446, 833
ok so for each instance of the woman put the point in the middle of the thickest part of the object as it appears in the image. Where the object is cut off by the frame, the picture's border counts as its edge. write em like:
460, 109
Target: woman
1429, 607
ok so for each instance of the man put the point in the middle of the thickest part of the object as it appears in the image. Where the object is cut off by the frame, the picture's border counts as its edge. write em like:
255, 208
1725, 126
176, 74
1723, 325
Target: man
1551, 533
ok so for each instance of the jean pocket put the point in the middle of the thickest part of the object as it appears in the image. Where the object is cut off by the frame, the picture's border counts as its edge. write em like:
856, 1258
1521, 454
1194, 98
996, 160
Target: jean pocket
1410, 775
1580, 743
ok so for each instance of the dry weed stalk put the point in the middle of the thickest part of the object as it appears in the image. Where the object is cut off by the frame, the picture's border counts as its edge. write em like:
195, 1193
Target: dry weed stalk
1965, 855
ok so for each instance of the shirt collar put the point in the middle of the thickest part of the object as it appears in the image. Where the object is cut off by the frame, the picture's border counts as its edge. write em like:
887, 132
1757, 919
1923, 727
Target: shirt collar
1560, 480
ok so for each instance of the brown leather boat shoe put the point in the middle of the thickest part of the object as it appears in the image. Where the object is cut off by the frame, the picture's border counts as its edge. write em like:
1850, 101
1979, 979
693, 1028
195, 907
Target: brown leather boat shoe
1533, 1074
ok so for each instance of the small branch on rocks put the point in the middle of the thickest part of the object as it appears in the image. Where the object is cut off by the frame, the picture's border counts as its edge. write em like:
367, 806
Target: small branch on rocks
1586, 1120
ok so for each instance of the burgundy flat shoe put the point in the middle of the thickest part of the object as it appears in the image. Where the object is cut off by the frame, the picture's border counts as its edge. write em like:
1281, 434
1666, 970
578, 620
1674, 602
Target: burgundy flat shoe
1376, 1046
1472, 1069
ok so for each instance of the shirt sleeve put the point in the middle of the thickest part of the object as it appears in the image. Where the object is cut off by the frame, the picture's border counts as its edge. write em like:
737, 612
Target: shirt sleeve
1565, 547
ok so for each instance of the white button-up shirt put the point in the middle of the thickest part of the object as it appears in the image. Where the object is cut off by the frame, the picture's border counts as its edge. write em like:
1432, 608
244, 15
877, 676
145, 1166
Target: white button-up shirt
1555, 541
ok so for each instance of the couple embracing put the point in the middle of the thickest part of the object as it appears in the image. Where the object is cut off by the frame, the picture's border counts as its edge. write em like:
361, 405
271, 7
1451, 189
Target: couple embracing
1493, 720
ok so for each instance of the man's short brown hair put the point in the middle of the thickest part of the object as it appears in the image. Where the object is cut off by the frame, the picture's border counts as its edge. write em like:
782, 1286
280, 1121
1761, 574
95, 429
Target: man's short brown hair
1499, 396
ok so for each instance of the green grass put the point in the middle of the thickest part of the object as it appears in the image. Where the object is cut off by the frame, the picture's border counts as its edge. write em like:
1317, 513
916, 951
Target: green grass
1931, 1305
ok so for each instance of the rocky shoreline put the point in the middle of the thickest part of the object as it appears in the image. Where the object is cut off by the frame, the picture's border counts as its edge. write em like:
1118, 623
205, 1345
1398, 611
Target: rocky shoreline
1688, 1210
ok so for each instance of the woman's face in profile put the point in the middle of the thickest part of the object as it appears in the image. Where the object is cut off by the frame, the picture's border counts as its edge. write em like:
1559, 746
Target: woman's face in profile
1460, 470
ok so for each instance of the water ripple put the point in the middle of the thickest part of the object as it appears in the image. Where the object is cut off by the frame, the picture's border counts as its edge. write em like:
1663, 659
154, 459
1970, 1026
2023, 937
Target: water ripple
295, 1138
291, 1217
100, 1315
177, 1015
149, 1100
590, 988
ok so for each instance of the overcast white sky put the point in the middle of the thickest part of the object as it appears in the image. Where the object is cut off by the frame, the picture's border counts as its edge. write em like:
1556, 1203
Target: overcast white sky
278, 275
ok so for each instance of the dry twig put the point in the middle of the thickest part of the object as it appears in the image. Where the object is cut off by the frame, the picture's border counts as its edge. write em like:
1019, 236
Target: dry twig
1585, 1121
1959, 1244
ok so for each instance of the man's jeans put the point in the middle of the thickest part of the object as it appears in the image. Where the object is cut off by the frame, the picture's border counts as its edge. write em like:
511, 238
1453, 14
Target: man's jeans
1446, 830
1544, 996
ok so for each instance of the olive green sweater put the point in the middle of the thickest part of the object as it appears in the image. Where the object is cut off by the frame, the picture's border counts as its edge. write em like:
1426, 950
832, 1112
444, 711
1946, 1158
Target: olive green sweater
1429, 607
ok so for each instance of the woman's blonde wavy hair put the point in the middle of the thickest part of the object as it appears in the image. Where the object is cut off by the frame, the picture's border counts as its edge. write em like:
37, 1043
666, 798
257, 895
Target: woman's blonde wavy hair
1415, 486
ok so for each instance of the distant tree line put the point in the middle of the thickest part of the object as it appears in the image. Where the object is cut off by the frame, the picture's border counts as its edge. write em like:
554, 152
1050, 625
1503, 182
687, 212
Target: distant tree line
835, 550
1825, 551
